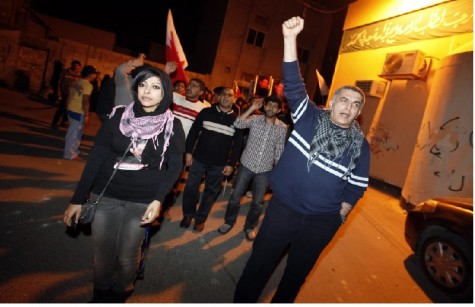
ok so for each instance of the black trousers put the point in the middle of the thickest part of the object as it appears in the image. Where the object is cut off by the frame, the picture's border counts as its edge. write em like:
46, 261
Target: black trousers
282, 227
61, 112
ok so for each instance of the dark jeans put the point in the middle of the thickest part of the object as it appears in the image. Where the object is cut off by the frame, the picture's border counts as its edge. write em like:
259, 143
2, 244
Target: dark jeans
117, 238
307, 236
61, 113
191, 195
259, 186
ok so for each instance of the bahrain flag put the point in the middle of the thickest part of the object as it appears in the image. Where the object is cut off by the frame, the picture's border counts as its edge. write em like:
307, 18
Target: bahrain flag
237, 90
174, 51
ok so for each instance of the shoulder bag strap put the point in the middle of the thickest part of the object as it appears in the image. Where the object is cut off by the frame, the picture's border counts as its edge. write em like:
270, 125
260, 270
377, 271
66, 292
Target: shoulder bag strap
113, 173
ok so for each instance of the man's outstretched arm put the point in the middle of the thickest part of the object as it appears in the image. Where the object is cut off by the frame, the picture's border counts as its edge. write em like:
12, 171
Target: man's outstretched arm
291, 29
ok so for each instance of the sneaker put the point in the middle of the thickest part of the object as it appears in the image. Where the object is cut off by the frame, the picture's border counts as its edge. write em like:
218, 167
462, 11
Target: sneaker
248, 194
186, 222
199, 227
225, 228
250, 234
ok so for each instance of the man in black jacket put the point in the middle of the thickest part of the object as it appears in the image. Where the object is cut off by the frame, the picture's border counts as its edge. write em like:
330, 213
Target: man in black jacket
213, 147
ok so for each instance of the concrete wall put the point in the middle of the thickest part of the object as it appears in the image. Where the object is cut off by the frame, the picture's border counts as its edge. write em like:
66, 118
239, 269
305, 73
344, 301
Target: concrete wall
442, 163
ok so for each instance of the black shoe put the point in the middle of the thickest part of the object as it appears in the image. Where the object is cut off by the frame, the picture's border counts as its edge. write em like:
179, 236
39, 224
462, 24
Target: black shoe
186, 222
199, 227
102, 296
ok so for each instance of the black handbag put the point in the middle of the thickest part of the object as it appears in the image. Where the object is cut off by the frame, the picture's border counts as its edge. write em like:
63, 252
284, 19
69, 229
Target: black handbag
88, 209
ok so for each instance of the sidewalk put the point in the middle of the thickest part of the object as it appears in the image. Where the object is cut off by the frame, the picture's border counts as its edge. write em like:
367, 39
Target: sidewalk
40, 263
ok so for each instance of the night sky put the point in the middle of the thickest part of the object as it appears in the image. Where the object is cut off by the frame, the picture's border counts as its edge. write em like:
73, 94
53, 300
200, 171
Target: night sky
135, 24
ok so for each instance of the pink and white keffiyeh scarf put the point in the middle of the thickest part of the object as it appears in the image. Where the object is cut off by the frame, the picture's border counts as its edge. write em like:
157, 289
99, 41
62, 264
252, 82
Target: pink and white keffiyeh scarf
146, 127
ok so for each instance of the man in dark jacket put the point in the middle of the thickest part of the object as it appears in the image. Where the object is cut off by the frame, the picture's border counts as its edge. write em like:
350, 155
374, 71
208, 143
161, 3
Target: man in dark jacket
213, 147
320, 177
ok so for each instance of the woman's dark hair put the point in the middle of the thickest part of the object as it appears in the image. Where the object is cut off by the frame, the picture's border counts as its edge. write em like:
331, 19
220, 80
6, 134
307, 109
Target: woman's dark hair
137, 69
167, 89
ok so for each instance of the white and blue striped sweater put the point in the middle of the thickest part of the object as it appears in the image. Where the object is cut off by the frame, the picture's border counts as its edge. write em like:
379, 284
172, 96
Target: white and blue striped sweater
323, 188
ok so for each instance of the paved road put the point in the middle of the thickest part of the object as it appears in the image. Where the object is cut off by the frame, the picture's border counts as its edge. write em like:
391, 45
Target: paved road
40, 262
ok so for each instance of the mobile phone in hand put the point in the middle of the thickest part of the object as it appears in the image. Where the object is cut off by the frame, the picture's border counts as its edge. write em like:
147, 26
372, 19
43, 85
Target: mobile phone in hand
73, 223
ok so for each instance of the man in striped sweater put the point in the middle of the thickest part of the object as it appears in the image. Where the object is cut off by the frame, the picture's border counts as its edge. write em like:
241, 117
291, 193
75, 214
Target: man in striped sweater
320, 177
186, 108
213, 147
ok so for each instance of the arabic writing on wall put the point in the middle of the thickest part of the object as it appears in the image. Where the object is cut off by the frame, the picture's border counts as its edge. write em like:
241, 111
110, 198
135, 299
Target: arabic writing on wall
449, 142
447, 19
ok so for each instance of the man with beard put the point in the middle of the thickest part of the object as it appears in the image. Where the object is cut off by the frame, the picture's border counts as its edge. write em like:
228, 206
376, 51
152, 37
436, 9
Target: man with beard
265, 144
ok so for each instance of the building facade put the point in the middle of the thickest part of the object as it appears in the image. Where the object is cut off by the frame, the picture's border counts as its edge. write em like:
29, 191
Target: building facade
420, 128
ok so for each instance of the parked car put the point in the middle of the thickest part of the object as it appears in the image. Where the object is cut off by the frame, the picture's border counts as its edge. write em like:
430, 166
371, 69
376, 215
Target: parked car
440, 232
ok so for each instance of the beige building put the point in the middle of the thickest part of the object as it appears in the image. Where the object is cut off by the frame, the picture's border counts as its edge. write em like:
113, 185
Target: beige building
414, 59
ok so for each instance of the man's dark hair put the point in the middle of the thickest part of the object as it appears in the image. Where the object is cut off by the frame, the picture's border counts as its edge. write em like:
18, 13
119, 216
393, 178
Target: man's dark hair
200, 82
88, 70
178, 81
218, 90
274, 98
75, 63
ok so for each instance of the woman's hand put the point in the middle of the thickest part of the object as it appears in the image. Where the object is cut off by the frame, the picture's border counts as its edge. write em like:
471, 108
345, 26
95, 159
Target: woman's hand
152, 212
73, 212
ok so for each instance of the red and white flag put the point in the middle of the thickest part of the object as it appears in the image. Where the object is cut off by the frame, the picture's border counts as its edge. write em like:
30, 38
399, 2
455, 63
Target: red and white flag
237, 90
174, 51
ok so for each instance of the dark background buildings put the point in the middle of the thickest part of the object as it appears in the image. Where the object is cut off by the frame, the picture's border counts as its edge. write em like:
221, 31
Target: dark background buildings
198, 24
137, 24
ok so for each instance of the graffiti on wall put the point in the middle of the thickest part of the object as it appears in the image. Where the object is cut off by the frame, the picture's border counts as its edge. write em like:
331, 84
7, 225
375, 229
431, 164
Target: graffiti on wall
450, 157
380, 141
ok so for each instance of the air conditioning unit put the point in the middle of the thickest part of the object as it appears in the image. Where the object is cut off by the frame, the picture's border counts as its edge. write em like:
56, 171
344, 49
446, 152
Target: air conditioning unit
372, 88
405, 65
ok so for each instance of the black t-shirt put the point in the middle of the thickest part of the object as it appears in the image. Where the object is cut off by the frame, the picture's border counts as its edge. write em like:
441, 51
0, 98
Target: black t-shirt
143, 185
